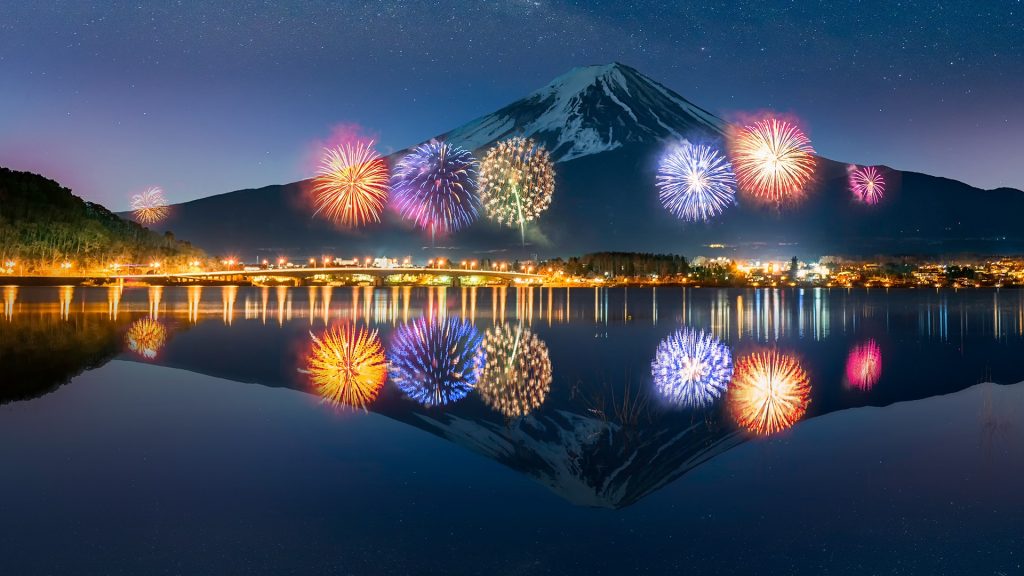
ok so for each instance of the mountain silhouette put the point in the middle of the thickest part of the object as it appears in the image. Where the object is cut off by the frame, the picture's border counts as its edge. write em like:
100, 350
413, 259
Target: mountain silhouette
606, 127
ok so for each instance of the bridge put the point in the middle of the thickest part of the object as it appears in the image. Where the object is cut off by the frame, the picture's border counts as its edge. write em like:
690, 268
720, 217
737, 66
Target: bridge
380, 276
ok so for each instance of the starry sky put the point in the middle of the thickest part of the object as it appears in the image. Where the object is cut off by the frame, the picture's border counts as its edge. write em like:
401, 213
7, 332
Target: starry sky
200, 98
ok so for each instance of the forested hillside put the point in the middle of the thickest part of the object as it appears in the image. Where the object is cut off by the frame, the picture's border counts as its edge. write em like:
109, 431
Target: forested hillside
43, 225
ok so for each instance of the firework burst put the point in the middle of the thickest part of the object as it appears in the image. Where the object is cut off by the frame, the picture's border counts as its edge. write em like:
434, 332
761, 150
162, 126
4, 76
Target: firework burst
773, 160
435, 187
437, 361
769, 392
692, 368
346, 365
150, 206
517, 377
867, 184
517, 180
696, 182
146, 337
864, 366
351, 186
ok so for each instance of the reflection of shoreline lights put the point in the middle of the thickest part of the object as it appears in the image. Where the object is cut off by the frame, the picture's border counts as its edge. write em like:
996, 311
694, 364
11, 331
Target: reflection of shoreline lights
773, 160
346, 365
692, 368
352, 184
695, 182
769, 392
864, 366
146, 337
435, 187
150, 206
517, 377
436, 361
867, 184
516, 182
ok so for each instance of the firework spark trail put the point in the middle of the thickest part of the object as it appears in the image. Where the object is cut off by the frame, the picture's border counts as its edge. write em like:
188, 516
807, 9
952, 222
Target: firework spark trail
436, 361
864, 366
867, 184
435, 187
769, 392
517, 377
351, 186
150, 206
696, 182
692, 368
773, 160
346, 365
517, 179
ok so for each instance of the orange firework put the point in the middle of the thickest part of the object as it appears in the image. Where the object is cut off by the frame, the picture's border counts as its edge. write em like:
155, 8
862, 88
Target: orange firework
773, 160
150, 206
769, 392
146, 337
351, 186
346, 365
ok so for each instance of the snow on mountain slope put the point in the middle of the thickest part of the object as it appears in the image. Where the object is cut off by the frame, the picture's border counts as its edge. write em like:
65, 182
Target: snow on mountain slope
590, 110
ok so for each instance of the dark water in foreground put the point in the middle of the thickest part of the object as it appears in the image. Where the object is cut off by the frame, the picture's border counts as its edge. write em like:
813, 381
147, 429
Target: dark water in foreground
184, 431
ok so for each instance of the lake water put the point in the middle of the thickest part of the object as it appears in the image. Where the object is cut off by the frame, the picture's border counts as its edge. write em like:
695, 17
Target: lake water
316, 430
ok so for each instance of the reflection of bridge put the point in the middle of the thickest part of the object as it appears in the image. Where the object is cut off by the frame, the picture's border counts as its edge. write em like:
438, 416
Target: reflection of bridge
380, 276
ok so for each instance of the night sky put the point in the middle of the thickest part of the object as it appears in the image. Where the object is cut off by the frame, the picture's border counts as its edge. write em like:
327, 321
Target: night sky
206, 97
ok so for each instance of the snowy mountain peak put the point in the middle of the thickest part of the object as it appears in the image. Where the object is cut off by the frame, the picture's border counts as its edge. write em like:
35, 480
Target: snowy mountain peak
592, 109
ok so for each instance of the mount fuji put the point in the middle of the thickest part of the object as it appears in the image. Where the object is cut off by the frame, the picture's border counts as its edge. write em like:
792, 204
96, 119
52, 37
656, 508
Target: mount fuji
606, 127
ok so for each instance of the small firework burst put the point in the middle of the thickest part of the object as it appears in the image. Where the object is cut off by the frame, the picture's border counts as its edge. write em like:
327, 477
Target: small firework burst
773, 159
516, 182
867, 184
517, 377
696, 182
436, 361
150, 206
769, 392
146, 337
864, 366
435, 187
346, 365
351, 187
692, 368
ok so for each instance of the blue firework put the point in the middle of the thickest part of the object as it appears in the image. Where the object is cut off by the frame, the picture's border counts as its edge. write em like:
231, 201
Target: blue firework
696, 182
692, 368
436, 362
435, 187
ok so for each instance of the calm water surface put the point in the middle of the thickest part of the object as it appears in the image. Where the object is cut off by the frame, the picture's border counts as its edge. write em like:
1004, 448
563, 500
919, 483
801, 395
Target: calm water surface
511, 431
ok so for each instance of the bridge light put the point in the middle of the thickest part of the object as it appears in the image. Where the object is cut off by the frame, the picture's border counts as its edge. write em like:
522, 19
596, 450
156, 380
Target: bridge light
312, 260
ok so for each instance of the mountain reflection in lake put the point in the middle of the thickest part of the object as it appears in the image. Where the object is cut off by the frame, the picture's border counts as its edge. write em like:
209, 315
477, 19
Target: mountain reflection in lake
605, 396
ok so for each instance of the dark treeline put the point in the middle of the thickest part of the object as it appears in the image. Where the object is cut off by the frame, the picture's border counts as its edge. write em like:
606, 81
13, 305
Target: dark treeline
42, 224
622, 264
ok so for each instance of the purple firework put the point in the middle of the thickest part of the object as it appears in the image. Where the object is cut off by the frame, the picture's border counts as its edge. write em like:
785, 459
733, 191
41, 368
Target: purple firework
435, 187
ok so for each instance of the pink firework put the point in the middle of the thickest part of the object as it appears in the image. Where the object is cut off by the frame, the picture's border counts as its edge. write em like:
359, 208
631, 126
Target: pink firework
864, 366
867, 184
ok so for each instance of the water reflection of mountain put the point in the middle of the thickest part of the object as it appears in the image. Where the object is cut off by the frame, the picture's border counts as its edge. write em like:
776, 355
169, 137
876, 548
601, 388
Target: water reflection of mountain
592, 440
584, 457
40, 354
